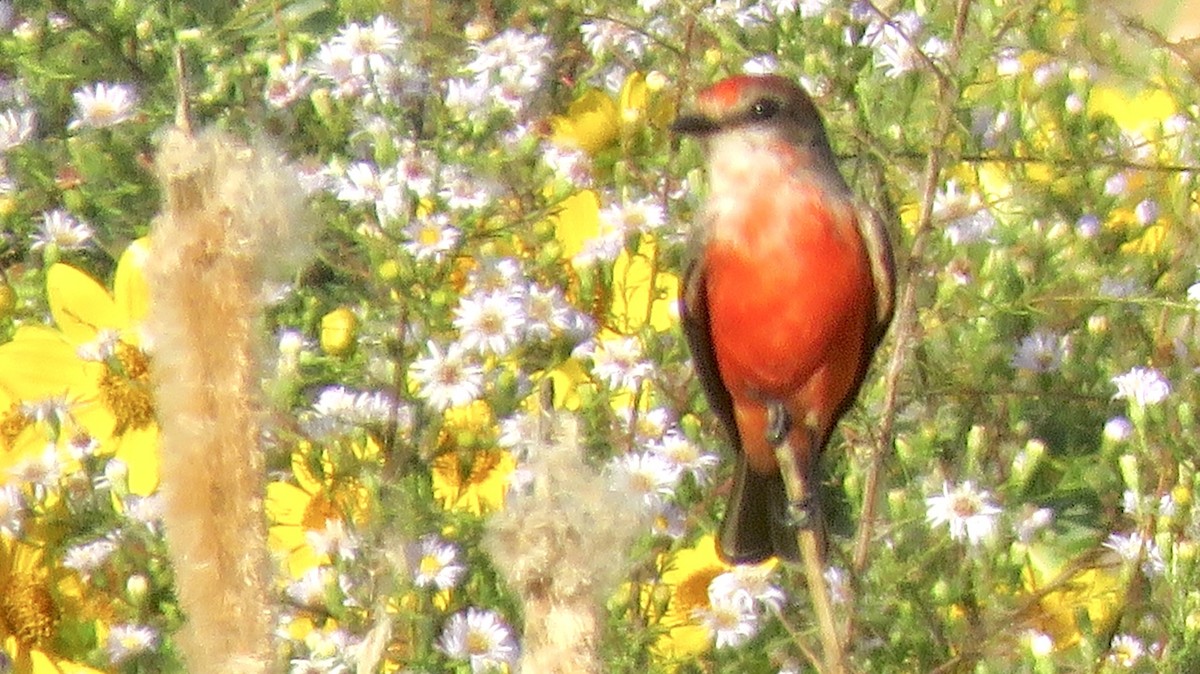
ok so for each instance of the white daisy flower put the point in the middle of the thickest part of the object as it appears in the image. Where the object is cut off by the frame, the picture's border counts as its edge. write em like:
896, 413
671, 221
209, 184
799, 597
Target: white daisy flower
1141, 386
415, 171
12, 510
339, 410
568, 164
16, 127
754, 580
647, 475
480, 637
969, 513
618, 362
603, 36
1133, 547
334, 539
334, 63
286, 85
496, 274
1125, 651
42, 470
88, 557
967, 219
675, 447
103, 105
431, 237
489, 323
126, 640
1040, 351
465, 95
59, 229
730, 617
547, 312
364, 183
437, 564
639, 215
372, 49
447, 379
463, 191
311, 589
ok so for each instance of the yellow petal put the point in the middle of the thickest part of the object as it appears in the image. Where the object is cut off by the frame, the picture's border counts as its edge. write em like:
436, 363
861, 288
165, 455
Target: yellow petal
286, 504
1143, 112
138, 448
576, 220
634, 97
640, 295
592, 123
130, 290
80, 306
39, 363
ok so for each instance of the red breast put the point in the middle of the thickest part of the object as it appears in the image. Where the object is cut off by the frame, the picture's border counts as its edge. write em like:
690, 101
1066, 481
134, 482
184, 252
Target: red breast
790, 296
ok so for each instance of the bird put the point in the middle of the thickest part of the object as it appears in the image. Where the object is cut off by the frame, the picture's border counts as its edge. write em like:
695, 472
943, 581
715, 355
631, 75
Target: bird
789, 291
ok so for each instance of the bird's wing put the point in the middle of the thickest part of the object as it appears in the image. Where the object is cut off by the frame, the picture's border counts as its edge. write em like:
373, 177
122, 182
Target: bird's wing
883, 270
693, 313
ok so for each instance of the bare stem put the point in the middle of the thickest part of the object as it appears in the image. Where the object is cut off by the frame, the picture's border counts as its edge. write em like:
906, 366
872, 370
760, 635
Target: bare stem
812, 553
906, 314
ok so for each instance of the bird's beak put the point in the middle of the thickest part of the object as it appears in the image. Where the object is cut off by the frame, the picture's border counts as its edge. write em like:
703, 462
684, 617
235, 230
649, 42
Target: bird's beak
694, 125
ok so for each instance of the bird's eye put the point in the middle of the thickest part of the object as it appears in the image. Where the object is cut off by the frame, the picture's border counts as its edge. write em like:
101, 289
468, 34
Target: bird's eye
764, 108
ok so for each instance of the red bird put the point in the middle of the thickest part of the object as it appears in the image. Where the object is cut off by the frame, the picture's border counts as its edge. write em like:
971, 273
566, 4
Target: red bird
788, 296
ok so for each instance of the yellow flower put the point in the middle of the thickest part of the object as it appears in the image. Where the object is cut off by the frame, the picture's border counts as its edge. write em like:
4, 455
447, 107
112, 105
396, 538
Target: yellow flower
575, 221
322, 496
475, 483
1142, 112
596, 120
31, 611
687, 574
642, 294
591, 124
1091, 586
338, 330
109, 391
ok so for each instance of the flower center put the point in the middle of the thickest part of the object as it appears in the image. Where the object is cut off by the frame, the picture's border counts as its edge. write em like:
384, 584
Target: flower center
27, 611
11, 424
965, 506
430, 565
127, 393
478, 642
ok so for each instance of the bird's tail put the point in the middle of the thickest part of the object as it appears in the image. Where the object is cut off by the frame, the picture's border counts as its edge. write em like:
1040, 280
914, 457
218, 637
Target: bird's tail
757, 524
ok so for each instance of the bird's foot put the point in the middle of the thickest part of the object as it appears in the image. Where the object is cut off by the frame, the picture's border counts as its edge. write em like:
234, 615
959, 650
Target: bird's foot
800, 514
779, 424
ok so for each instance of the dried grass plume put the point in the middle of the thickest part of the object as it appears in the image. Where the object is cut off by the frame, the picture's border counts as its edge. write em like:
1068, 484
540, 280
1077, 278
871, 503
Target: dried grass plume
563, 547
233, 219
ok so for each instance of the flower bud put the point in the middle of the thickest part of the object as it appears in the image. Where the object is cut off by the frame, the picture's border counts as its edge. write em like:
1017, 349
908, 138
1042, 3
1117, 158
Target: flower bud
339, 328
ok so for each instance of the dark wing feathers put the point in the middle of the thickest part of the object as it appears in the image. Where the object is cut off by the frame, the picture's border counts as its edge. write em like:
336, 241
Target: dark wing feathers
755, 523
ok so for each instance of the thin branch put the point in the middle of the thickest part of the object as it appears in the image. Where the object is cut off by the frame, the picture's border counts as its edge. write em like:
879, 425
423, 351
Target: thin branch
906, 314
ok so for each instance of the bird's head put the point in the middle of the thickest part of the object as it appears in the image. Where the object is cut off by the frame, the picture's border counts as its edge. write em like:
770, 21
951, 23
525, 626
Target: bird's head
768, 108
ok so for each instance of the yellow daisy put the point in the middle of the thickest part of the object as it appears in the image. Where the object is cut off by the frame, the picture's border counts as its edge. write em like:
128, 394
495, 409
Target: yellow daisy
93, 361
31, 611
596, 120
321, 496
475, 482
1094, 588
687, 574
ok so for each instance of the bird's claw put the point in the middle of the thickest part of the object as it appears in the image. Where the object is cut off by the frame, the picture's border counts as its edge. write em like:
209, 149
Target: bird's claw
779, 424
799, 514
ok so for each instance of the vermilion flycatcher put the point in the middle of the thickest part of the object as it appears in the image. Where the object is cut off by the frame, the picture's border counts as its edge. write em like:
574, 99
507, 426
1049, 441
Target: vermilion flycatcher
786, 300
